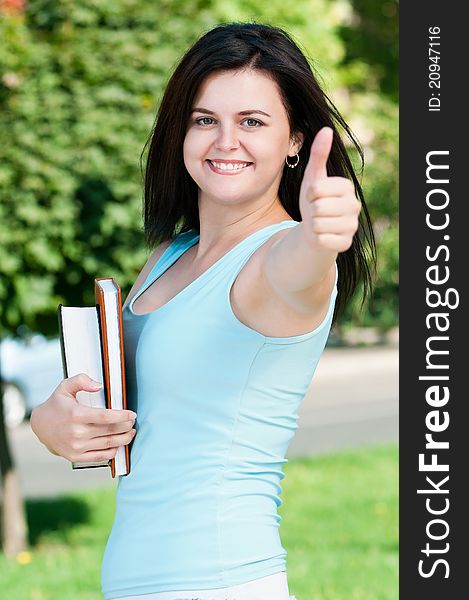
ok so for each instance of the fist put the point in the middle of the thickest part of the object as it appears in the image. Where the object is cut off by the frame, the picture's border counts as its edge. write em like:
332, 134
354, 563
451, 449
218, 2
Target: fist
328, 206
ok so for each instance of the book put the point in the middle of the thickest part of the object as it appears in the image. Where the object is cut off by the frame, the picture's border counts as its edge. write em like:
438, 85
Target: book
92, 342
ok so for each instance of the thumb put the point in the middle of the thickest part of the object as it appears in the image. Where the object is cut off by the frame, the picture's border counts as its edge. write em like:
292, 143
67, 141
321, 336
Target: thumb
320, 150
80, 382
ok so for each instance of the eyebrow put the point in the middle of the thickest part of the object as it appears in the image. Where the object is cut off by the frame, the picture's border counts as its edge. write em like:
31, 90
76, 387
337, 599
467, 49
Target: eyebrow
243, 112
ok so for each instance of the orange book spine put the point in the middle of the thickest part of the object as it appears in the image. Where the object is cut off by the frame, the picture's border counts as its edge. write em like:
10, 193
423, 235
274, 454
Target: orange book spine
124, 389
99, 299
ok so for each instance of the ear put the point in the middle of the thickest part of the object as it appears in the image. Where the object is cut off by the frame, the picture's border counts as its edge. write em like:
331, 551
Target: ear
296, 142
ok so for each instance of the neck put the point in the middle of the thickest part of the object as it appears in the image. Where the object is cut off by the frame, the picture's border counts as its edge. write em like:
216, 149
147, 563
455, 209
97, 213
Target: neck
218, 235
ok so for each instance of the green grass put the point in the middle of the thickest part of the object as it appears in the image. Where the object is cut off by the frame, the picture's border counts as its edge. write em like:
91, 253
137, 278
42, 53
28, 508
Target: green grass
339, 527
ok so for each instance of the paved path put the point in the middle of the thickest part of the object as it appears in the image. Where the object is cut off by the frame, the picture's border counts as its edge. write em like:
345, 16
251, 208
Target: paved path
352, 401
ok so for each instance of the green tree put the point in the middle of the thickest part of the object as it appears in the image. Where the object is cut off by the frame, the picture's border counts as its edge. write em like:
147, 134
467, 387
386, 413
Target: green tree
13, 526
372, 35
80, 87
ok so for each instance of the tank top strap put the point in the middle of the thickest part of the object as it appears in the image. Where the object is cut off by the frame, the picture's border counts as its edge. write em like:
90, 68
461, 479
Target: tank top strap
178, 246
251, 244
228, 266
242, 250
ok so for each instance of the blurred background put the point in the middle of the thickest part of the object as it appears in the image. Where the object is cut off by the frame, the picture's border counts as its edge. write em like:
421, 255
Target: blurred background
80, 83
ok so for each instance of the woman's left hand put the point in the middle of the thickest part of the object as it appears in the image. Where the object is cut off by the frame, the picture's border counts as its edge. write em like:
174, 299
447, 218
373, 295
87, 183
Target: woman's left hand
328, 206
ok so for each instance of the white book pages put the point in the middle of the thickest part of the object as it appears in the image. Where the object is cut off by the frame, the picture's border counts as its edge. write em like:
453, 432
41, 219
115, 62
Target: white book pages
82, 351
82, 347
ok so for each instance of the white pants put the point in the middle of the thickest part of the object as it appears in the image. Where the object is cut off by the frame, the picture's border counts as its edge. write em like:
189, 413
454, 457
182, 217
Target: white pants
272, 587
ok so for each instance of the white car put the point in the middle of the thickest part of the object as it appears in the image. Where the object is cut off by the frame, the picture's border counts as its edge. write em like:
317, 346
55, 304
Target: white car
30, 371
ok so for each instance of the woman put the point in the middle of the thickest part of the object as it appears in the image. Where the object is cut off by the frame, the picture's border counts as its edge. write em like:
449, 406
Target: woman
259, 242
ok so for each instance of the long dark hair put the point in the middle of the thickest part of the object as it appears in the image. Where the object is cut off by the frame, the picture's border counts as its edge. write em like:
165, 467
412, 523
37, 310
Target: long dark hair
170, 194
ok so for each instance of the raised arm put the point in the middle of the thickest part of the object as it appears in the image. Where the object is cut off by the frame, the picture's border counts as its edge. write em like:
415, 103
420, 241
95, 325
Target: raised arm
300, 266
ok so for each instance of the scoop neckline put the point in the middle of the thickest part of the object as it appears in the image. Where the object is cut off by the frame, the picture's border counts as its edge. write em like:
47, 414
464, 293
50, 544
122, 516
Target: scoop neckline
189, 286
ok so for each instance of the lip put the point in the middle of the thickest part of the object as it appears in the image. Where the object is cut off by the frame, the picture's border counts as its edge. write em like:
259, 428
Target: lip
226, 160
234, 172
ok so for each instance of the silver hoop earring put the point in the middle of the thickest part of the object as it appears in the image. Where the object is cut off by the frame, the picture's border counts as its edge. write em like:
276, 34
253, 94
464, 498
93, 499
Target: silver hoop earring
292, 166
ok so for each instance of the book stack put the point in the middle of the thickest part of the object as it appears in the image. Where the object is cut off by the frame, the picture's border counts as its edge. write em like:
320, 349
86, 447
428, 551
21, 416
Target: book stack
92, 342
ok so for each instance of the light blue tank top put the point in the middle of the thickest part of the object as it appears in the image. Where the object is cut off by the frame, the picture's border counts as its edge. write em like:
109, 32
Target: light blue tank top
216, 405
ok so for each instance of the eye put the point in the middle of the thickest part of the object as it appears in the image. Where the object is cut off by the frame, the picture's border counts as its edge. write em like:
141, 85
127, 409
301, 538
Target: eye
253, 121
202, 121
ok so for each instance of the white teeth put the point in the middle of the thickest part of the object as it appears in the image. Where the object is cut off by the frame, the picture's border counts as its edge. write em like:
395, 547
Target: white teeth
229, 166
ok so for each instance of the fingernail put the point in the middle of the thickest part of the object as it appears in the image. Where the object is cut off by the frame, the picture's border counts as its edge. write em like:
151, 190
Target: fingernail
96, 384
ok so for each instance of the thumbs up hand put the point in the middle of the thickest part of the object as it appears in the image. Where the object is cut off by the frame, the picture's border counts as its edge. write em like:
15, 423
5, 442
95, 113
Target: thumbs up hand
328, 206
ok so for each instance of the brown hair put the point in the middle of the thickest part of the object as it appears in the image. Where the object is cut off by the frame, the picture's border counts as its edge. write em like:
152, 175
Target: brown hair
170, 194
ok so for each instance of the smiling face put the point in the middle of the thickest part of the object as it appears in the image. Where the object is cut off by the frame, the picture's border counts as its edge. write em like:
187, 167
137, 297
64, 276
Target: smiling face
237, 139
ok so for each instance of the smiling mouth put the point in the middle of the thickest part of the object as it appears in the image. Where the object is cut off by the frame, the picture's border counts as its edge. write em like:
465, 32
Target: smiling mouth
229, 167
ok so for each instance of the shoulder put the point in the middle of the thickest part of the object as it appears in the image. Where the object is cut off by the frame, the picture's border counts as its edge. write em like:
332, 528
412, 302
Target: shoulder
256, 304
148, 266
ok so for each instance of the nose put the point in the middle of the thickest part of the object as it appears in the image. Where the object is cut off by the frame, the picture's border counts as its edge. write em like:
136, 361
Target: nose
227, 138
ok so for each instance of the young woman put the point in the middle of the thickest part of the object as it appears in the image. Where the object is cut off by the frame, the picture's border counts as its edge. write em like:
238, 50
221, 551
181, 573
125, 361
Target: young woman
260, 236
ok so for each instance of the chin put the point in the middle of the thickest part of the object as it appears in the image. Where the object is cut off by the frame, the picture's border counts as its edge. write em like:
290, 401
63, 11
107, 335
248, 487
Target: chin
225, 192
229, 200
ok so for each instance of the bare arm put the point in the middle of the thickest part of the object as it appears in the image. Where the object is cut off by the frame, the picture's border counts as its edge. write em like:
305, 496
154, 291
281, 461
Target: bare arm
303, 278
299, 267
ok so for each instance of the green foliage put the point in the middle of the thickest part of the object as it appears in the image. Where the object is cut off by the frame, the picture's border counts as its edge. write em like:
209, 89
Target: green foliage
375, 119
372, 35
79, 86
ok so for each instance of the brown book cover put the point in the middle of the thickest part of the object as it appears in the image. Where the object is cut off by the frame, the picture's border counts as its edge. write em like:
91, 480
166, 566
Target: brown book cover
103, 325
